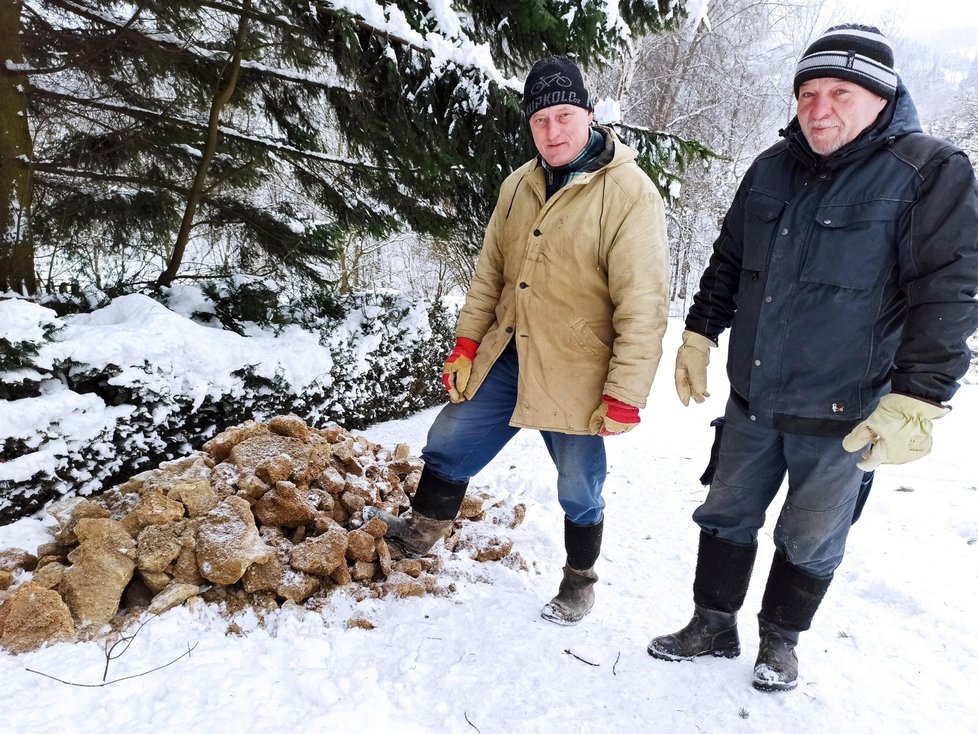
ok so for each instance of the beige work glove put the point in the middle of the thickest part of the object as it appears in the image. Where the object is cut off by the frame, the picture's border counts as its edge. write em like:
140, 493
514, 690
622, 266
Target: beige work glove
458, 368
897, 432
691, 361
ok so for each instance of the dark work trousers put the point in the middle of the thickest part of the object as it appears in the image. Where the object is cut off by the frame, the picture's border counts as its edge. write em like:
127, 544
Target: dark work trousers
823, 484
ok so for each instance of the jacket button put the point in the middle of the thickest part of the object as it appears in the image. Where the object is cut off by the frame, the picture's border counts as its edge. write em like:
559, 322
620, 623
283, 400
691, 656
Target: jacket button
524, 285
784, 231
537, 233
509, 329
827, 221
753, 417
768, 299
757, 363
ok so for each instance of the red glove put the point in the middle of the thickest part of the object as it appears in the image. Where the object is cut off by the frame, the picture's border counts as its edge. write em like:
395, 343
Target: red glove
613, 417
458, 367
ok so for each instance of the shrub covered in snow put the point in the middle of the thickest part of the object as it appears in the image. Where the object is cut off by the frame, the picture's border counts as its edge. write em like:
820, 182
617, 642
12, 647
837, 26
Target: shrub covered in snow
90, 397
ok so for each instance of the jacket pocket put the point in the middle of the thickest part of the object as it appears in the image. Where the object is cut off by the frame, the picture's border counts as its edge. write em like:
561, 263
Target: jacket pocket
589, 341
761, 215
852, 245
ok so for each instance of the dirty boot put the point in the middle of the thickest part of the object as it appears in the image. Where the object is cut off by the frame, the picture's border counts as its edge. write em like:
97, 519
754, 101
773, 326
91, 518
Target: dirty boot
574, 599
575, 596
709, 632
776, 667
434, 506
723, 572
414, 535
791, 598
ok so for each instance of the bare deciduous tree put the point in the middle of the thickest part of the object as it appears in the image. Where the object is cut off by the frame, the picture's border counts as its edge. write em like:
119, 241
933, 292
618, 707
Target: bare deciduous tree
725, 83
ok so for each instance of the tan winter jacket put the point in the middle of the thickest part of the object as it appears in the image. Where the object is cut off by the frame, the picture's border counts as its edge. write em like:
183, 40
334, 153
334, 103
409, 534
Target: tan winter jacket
581, 282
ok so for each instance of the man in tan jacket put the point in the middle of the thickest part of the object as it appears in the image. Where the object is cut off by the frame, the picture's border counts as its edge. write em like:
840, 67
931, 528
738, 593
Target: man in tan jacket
561, 329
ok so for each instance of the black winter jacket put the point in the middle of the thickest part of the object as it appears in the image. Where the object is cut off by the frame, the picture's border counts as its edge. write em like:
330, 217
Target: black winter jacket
845, 277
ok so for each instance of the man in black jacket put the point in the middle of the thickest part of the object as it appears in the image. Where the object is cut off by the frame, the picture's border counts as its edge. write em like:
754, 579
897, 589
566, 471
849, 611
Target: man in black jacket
846, 270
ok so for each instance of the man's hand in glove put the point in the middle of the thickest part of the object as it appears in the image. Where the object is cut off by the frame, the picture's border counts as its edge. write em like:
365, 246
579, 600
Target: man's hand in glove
458, 368
691, 361
897, 432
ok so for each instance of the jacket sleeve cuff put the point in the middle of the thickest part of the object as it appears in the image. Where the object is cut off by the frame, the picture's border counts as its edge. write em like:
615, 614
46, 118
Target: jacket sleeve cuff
466, 347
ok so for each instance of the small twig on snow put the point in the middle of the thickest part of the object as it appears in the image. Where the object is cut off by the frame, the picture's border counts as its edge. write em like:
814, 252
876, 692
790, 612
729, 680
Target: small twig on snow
470, 723
123, 639
116, 680
596, 665
613, 671
111, 654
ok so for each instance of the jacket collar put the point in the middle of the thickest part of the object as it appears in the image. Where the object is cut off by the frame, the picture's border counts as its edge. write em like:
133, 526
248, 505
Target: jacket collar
614, 154
897, 119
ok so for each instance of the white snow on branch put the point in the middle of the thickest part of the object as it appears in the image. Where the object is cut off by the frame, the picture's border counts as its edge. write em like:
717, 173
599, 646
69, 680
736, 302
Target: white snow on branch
445, 51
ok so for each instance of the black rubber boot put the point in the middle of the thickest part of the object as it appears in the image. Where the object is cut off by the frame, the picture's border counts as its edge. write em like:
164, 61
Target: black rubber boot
791, 599
709, 632
434, 507
722, 575
575, 596
776, 667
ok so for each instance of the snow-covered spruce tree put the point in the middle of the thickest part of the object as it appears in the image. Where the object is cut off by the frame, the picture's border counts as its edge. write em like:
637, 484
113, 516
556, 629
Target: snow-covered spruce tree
269, 129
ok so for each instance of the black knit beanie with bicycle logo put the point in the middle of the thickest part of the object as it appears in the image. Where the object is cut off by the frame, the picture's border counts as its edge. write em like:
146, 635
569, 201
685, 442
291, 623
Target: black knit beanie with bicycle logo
552, 81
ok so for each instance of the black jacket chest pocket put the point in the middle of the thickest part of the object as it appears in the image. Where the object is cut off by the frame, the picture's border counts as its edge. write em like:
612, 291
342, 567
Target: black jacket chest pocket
853, 245
761, 216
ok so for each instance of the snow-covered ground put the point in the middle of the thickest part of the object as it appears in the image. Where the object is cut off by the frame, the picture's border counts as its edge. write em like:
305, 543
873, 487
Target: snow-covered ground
893, 648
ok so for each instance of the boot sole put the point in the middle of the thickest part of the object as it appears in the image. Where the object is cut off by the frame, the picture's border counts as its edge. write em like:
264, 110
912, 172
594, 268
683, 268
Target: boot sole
562, 621
769, 687
669, 657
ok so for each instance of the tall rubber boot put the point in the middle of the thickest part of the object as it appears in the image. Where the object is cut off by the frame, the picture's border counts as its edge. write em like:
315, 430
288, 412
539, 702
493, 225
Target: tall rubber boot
719, 588
575, 596
434, 507
791, 599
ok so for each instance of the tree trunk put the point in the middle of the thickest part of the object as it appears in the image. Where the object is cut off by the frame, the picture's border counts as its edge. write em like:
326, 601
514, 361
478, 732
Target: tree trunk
628, 66
224, 93
16, 152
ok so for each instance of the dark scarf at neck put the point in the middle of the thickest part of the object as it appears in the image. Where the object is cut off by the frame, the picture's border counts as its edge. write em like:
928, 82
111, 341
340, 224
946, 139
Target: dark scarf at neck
559, 176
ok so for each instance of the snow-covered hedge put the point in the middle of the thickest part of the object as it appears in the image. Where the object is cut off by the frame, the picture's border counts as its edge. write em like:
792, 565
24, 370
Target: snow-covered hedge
90, 398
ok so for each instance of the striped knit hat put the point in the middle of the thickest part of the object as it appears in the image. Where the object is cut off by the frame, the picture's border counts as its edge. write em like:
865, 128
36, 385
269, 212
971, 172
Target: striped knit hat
857, 53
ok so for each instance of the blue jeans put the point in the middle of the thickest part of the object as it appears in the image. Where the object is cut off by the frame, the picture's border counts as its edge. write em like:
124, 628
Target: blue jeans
466, 436
823, 483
